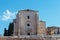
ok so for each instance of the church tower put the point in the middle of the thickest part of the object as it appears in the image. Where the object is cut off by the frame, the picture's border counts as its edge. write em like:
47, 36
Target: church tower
26, 23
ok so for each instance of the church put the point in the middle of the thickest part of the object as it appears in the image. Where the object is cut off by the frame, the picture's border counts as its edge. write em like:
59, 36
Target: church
27, 23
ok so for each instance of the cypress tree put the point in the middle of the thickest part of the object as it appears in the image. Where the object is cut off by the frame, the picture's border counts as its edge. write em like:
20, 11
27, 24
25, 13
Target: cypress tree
10, 29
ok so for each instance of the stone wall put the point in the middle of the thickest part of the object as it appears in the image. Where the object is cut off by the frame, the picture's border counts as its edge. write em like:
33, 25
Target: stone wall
19, 38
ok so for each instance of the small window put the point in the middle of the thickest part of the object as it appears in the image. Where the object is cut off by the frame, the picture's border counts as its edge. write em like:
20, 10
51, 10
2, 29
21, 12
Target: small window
28, 24
28, 17
28, 33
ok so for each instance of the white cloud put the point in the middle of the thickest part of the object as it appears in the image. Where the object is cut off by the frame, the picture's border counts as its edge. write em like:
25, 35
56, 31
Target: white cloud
7, 15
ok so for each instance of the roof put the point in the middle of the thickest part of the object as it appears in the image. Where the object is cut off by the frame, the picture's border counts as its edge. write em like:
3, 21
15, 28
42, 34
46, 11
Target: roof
42, 21
29, 10
53, 27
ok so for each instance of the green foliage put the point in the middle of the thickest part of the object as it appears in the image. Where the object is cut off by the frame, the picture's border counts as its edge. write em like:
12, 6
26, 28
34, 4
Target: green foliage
10, 29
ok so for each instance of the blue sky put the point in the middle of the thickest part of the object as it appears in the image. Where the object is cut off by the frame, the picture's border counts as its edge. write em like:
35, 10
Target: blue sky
49, 11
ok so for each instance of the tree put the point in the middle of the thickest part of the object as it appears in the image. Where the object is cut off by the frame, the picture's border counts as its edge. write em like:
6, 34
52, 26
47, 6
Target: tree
10, 29
5, 32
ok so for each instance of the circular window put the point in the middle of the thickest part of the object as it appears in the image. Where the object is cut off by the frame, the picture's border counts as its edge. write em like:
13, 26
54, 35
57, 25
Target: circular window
28, 24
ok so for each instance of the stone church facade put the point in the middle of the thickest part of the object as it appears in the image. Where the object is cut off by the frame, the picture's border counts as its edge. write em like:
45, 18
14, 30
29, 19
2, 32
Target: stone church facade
27, 23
